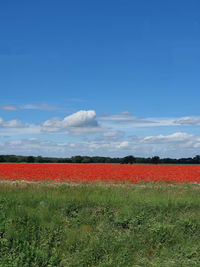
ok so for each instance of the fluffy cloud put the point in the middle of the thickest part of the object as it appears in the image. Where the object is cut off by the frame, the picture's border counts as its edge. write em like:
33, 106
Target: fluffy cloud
83, 121
178, 137
81, 118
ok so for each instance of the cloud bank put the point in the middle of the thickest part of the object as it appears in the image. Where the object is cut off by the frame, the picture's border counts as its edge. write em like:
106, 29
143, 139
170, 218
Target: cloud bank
176, 145
109, 135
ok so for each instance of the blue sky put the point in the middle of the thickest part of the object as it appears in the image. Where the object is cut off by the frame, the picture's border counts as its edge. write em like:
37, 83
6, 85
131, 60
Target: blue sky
100, 77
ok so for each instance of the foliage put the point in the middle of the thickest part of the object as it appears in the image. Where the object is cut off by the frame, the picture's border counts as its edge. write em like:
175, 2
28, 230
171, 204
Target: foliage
96, 159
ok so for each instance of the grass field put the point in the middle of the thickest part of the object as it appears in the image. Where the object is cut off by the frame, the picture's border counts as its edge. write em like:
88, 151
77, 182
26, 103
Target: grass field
152, 224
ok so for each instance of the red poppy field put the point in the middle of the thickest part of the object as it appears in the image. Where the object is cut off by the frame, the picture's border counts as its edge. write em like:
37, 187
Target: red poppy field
79, 173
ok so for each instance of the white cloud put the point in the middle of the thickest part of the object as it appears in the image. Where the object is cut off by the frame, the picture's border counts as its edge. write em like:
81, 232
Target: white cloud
81, 118
125, 120
112, 134
29, 107
124, 117
12, 124
178, 137
124, 144
188, 121
81, 131
83, 121
128, 121
39, 107
10, 108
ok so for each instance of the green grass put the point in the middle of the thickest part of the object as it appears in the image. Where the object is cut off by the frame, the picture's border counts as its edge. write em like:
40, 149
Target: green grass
137, 225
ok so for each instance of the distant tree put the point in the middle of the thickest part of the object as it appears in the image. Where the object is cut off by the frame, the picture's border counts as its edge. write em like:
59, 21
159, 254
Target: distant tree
67, 160
23, 159
168, 161
155, 160
12, 158
39, 159
2, 159
76, 159
105, 160
30, 159
97, 159
86, 160
128, 160
139, 160
196, 159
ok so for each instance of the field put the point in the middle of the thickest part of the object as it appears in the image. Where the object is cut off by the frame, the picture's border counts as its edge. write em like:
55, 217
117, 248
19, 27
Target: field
151, 219
79, 173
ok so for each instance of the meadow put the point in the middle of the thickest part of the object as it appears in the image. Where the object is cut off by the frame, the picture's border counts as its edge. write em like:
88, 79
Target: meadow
45, 224
116, 223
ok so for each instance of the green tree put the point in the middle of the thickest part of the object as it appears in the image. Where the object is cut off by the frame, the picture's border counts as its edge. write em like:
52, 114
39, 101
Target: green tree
86, 159
76, 159
2, 159
12, 158
196, 159
39, 159
30, 159
128, 160
155, 160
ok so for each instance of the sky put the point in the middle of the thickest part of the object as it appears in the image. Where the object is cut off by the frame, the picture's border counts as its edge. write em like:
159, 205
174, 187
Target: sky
107, 78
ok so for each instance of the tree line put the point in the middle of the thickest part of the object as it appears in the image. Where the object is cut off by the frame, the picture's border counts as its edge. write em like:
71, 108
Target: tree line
97, 159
